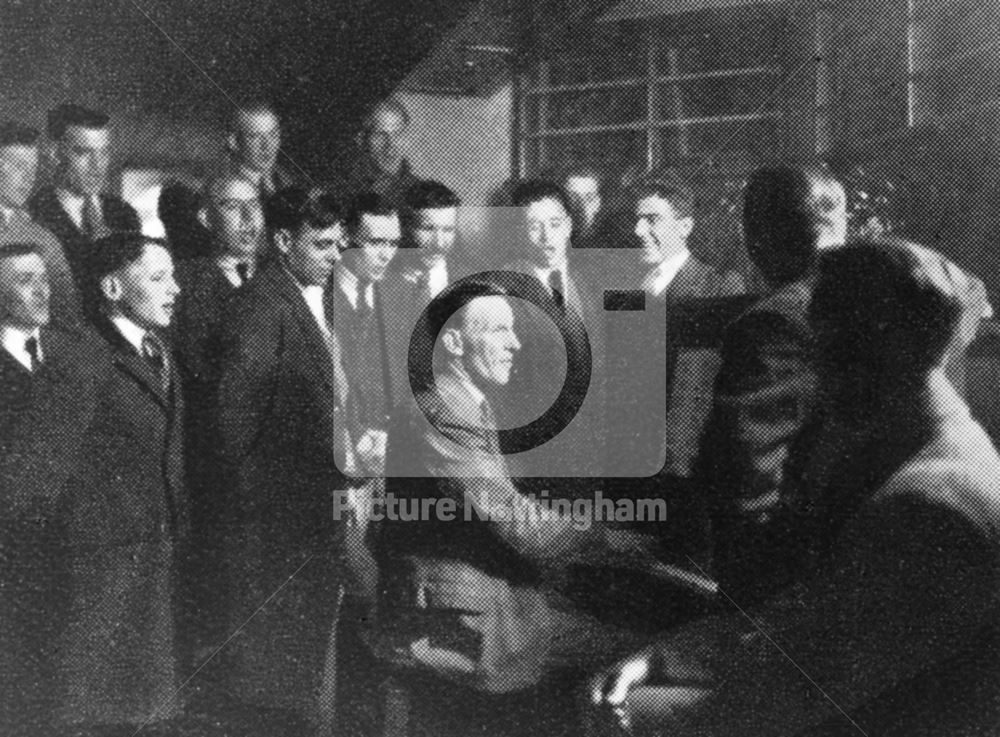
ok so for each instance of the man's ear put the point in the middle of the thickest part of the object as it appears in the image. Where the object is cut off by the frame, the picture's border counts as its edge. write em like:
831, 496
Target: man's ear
282, 240
686, 225
232, 143
451, 339
111, 287
203, 217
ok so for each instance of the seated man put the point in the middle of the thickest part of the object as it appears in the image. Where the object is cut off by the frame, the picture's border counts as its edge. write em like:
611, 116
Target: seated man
893, 628
477, 590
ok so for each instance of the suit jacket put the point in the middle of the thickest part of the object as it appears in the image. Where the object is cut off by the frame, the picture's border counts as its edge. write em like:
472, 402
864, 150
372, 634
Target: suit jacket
403, 305
764, 392
895, 632
538, 375
46, 210
281, 430
98, 456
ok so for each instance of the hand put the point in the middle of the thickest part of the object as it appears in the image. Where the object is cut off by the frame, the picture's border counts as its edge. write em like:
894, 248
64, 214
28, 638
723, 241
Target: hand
610, 689
370, 450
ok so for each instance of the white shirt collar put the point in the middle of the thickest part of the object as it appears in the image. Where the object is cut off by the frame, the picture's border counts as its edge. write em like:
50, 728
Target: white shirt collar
7, 215
348, 283
228, 263
73, 203
661, 276
542, 273
313, 296
130, 331
14, 340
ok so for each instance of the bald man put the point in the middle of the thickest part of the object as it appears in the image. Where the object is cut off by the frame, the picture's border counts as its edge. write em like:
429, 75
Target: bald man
253, 142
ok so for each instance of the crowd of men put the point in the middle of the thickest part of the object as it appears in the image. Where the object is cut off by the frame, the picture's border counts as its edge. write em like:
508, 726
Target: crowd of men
298, 468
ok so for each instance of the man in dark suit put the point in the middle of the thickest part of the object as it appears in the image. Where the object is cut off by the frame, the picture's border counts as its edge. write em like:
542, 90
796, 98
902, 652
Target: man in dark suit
18, 167
231, 212
281, 406
766, 384
473, 622
98, 456
538, 378
356, 305
660, 386
253, 144
76, 207
892, 628
422, 268
26, 549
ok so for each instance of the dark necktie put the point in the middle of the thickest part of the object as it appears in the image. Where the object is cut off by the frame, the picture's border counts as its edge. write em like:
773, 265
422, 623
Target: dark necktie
243, 272
156, 355
93, 223
489, 423
556, 285
31, 346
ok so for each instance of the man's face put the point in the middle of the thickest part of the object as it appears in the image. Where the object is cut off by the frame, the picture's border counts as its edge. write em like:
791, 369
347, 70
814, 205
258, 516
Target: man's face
384, 139
488, 340
585, 197
257, 140
18, 166
310, 253
375, 242
434, 230
661, 232
148, 290
24, 291
549, 229
84, 156
233, 214
833, 230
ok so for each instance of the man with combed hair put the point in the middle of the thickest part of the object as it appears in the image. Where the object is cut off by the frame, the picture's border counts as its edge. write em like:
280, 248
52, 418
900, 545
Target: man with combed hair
282, 400
77, 207
891, 625
98, 457
765, 388
253, 144
18, 167
382, 165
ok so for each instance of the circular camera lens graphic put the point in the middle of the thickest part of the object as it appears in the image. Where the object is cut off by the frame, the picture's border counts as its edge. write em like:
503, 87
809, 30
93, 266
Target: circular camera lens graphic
564, 315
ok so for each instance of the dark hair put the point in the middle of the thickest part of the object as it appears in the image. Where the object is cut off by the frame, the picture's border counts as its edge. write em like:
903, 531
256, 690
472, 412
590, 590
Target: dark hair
16, 250
69, 114
428, 194
13, 133
670, 187
531, 191
886, 309
116, 251
293, 207
368, 203
447, 304
785, 211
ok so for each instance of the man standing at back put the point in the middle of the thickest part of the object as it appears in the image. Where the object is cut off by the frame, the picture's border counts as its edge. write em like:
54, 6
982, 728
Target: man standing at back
765, 388
253, 142
18, 167
421, 270
76, 207
382, 165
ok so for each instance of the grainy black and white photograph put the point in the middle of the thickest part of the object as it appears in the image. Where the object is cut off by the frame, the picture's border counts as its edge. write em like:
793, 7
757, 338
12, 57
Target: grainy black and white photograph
499, 368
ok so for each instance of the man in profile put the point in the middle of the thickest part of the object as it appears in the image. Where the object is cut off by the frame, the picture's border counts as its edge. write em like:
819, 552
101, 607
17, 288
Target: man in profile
253, 143
382, 165
77, 208
18, 167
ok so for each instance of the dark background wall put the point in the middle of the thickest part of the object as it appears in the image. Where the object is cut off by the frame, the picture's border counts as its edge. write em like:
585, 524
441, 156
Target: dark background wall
170, 70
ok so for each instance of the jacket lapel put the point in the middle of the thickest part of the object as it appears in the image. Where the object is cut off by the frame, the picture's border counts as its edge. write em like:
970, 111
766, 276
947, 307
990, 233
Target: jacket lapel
128, 361
285, 287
